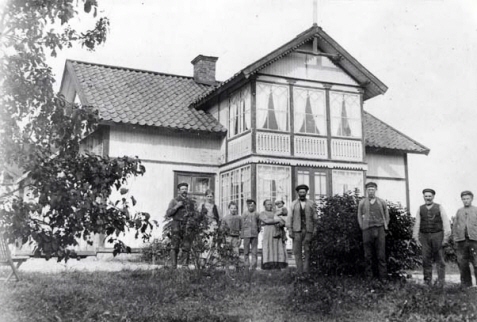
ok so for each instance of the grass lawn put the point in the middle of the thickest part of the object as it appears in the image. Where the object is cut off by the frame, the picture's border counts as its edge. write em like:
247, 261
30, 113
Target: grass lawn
182, 295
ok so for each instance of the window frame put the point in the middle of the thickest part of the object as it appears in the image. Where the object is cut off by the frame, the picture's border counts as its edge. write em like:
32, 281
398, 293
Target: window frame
288, 124
242, 94
210, 176
332, 118
324, 116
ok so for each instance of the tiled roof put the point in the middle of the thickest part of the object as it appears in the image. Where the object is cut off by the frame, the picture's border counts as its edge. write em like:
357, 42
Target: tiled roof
131, 96
380, 135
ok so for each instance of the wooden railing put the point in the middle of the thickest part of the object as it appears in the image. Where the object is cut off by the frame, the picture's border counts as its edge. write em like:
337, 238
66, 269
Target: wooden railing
273, 143
311, 147
240, 147
348, 150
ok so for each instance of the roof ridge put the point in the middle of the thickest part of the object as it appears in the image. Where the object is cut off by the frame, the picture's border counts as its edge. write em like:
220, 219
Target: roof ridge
401, 133
133, 69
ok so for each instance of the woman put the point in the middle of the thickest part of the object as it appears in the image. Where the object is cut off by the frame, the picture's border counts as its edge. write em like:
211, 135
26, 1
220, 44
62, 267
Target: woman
210, 215
274, 253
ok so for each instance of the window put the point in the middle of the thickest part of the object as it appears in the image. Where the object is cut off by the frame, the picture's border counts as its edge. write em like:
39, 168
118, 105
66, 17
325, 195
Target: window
236, 186
198, 184
239, 120
310, 111
272, 107
273, 181
345, 115
315, 179
345, 181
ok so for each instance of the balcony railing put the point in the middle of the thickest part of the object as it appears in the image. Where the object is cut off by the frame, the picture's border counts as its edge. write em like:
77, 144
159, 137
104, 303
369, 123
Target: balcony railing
240, 147
311, 147
273, 143
348, 150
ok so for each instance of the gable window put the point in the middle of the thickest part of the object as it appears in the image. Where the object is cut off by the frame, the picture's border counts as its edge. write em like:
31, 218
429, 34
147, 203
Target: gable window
239, 120
273, 182
346, 181
198, 184
236, 186
310, 111
345, 115
272, 107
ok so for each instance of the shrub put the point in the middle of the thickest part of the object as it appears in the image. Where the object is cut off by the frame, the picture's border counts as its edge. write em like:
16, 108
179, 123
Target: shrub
337, 247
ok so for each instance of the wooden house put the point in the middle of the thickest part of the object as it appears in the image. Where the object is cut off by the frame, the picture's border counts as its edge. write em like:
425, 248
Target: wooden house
294, 116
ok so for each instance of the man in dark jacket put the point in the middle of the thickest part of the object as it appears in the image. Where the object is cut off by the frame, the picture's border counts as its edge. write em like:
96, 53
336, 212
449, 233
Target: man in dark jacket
301, 224
182, 211
373, 219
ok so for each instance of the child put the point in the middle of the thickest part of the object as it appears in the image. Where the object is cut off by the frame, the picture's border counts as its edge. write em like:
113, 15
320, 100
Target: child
232, 225
280, 214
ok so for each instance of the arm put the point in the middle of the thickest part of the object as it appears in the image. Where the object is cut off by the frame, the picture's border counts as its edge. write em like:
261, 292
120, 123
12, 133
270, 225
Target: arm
172, 208
289, 219
417, 226
360, 214
386, 214
267, 221
445, 225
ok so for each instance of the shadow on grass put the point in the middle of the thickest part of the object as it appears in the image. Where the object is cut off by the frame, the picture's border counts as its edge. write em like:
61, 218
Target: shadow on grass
183, 295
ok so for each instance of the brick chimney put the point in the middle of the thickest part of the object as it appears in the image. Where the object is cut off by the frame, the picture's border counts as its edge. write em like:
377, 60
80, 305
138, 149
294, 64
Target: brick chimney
204, 69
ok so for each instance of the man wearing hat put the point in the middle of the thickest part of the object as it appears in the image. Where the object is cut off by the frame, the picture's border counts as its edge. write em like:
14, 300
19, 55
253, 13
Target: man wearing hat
181, 210
464, 233
301, 225
431, 231
249, 234
373, 219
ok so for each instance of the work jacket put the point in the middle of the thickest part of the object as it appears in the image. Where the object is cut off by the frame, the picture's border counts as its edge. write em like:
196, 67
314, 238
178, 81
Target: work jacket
364, 216
462, 220
293, 221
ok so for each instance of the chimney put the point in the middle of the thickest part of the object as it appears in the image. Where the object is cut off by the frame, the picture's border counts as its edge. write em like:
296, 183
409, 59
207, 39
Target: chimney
204, 69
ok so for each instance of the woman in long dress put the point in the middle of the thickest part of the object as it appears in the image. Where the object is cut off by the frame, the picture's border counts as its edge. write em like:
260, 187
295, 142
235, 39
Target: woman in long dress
274, 253
210, 214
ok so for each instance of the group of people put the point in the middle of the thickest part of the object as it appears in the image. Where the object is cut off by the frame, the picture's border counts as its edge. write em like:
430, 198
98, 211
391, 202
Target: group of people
432, 231
246, 228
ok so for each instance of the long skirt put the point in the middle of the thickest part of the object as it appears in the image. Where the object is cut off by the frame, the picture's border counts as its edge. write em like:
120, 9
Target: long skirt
274, 252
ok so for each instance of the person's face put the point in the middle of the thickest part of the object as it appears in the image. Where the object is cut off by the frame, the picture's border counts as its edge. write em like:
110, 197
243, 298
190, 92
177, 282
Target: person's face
279, 204
302, 194
233, 209
428, 198
268, 205
251, 207
210, 198
183, 191
371, 192
467, 200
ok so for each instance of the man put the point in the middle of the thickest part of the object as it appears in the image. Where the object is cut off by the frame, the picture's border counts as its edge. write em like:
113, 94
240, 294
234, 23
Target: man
249, 234
181, 209
232, 225
464, 233
373, 219
300, 223
431, 232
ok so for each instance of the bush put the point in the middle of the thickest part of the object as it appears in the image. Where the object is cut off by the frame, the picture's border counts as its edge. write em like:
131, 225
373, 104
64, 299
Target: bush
337, 247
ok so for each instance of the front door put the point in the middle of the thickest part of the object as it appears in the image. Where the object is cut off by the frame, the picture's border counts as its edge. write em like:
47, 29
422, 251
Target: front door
316, 179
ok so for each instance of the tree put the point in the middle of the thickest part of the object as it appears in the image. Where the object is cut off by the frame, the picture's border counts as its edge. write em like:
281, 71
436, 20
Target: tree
42, 133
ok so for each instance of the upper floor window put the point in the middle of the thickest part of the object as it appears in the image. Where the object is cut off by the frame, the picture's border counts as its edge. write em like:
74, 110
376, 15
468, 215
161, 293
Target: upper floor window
239, 120
272, 107
310, 111
345, 115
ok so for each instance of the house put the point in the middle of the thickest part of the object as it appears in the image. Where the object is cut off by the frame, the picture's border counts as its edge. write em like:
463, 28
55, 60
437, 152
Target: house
294, 116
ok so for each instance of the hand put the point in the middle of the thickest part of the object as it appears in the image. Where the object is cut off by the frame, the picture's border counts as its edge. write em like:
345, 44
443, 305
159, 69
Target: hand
445, 243
418, 243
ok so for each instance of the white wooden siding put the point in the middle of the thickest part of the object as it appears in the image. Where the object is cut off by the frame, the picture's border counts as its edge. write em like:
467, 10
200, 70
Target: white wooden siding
240, 147
304, 66
382, 165
150, 144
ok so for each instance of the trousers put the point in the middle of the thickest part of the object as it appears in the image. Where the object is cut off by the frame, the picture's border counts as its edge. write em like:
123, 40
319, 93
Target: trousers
432, 251
250, 245
467, 254
374, 243
301, 246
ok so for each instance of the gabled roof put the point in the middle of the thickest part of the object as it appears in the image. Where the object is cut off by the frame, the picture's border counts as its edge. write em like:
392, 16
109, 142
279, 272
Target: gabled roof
132, 96
380, 135
371, 84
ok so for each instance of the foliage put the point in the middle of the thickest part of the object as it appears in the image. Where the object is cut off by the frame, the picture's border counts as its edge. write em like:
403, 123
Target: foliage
337, 247
178, 295
42, 134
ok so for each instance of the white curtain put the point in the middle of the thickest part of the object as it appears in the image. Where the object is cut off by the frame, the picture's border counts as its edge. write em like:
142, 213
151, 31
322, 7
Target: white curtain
262, 104
318, 108
280, 98
299, 103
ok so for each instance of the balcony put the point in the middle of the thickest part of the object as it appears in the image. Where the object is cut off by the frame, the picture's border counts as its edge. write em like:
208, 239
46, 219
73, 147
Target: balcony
273, 143
311, 147
347, 150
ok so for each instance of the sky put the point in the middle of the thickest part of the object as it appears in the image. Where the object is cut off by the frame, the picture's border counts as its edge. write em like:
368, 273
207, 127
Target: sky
425, 51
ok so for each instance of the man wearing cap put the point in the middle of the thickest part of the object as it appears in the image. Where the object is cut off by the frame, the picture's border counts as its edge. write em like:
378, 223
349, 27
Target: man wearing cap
249, 234
182, 210
301, 224
373, 219
464, 233
431, 231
